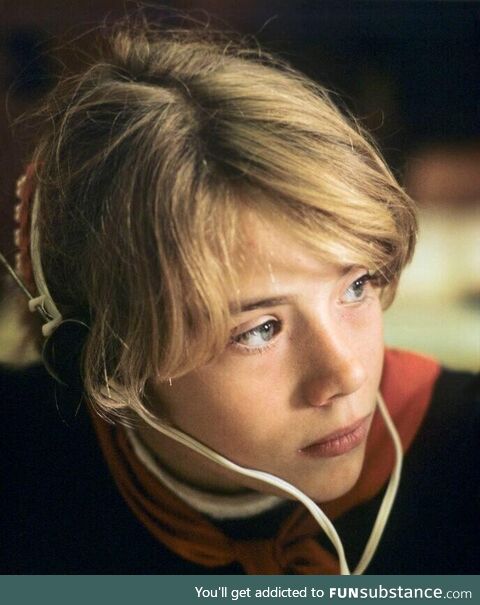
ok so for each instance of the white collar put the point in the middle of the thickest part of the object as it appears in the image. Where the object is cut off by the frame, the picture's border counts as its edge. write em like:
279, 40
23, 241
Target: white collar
217, 506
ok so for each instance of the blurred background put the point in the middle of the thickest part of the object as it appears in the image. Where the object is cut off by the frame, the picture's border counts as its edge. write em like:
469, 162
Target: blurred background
410, 71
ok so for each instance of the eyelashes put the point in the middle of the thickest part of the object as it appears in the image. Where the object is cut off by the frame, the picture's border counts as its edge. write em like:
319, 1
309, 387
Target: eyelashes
356, 291
257, 338
262, 336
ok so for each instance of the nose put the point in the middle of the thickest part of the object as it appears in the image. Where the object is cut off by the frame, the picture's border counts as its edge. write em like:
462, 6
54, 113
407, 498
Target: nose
335, 369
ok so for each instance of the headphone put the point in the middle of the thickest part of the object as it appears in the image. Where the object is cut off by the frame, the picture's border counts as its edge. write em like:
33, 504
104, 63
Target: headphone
54, 323
59, 354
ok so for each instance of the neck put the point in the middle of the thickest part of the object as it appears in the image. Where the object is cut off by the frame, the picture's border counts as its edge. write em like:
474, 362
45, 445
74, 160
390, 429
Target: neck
216, 505
190, 467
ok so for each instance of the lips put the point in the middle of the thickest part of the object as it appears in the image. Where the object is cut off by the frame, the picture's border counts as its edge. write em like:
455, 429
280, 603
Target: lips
339, 442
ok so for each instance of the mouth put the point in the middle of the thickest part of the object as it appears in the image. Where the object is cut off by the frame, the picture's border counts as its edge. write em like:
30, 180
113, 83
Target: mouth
339, 442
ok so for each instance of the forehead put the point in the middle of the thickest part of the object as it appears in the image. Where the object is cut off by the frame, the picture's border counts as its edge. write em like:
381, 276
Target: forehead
270, 256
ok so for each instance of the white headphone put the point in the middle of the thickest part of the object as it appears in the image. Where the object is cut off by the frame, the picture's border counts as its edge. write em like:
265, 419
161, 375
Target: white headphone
45, 305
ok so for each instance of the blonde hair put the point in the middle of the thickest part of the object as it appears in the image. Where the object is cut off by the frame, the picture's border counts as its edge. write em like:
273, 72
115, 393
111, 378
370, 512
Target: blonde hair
147, 165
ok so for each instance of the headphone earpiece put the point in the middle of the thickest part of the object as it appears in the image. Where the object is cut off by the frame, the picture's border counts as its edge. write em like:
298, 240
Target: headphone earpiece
62, 350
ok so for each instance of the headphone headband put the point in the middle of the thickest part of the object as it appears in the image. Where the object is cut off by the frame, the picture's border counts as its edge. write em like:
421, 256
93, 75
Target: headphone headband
44, 300
28, 258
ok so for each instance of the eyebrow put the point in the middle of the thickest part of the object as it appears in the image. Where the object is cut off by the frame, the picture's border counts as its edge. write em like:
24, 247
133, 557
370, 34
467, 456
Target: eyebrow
262, 303
251, 305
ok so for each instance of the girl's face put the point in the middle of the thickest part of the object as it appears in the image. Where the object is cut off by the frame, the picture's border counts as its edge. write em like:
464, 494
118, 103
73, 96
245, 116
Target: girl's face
294, 391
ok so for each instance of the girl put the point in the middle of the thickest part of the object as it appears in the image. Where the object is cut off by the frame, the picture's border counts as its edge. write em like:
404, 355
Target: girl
210, 243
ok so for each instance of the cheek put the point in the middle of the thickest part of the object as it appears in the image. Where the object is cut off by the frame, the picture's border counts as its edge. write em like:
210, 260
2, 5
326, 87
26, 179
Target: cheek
371, 341
363, 334
242, 400
225, 412
365, 322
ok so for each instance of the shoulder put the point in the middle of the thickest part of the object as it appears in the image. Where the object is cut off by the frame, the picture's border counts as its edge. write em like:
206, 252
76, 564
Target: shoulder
61, 509
442, 402
32, 406
420, 391
434, 522
461, 388
412, 372
27, 398
42, 429
22, 381
445, 456
453, 416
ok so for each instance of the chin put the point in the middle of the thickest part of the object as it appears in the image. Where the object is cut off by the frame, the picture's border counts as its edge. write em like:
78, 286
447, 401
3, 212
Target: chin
337, 481
331, 493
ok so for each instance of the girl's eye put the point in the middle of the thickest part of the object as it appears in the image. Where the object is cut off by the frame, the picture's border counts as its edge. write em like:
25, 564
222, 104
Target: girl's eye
259, 336
356, 291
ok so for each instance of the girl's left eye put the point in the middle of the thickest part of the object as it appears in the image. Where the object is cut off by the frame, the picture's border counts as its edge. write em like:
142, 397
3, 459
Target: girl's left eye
259, 336
356, 291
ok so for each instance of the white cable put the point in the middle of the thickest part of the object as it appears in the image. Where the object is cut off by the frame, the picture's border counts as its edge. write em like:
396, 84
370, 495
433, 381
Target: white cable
290, 489
45, 302
390, 493
216, 506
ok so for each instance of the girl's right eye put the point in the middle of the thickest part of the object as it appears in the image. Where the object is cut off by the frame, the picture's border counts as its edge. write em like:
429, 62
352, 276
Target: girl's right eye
259, 336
